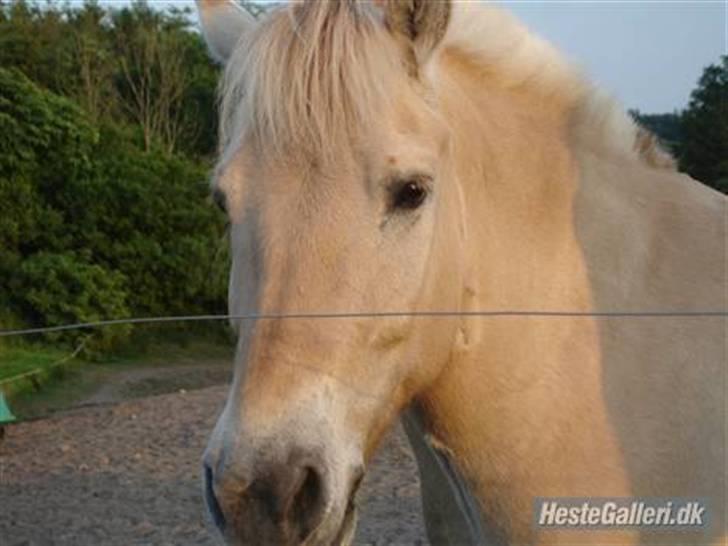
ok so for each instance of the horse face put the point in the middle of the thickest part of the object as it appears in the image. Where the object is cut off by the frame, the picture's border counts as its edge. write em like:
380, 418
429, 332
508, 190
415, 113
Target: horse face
355, 226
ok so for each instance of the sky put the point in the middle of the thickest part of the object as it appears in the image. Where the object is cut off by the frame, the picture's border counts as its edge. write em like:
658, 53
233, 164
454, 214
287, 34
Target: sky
648, 53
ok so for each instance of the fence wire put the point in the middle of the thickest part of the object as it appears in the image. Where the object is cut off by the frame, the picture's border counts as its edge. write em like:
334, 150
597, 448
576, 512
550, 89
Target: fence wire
363, 314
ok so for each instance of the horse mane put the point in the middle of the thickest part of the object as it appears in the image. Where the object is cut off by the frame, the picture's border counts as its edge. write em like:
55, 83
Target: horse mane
649, 148
315, 70
307, 77
497, 41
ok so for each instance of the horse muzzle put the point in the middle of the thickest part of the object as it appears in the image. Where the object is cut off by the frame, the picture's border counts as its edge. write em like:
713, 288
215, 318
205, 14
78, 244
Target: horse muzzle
296, 500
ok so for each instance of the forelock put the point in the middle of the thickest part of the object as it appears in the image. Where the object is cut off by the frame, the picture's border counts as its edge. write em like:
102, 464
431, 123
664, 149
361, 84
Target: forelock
307, 78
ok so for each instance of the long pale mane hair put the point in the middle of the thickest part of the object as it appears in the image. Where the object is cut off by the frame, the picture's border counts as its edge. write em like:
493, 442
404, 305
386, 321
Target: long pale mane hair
312, 72
307, 77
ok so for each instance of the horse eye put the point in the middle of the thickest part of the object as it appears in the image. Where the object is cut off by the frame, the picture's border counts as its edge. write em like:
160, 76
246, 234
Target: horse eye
409, 196
218, 197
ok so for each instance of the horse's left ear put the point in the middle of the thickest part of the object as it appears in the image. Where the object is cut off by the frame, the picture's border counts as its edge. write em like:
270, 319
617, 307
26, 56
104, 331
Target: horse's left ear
223, 22
420, 24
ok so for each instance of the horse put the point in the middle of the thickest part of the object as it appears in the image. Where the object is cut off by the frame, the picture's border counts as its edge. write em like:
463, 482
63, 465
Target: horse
399, 167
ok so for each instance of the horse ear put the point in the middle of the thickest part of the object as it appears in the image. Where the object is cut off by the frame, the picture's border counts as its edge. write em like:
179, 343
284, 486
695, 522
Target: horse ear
421, 24
223, 22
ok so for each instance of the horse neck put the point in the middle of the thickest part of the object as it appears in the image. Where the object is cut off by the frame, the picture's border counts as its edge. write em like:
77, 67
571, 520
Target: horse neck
515, 386
518, 173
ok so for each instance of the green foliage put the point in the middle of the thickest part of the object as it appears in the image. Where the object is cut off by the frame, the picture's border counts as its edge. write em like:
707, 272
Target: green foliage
130, 65
46, 145
65, 288
92, 225
17, 360
704, 150
45, 141
698, 136
147, 216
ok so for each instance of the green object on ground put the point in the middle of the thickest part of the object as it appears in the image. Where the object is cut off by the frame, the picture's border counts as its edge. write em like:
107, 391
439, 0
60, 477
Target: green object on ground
6, 415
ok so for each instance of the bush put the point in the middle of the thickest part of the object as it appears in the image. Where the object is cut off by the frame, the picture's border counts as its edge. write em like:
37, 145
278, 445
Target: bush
63, 288
147, 215
92, 225
45, 142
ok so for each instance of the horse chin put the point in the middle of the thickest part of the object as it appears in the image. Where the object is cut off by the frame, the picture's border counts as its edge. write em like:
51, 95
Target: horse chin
345, 536
341, 535
331, 534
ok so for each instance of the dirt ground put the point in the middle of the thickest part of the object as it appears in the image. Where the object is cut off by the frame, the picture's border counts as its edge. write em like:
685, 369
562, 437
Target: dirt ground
127, 472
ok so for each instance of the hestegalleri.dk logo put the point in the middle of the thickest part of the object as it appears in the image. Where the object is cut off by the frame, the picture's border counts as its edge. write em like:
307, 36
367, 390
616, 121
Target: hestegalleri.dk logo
619, 513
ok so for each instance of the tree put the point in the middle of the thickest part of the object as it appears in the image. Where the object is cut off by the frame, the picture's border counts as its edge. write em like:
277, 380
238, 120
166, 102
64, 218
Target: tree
131, 65
704, 125
153, 75
93, 88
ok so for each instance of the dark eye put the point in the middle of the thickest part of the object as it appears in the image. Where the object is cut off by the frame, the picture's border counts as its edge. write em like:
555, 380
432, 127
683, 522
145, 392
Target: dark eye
218, 197
408, 195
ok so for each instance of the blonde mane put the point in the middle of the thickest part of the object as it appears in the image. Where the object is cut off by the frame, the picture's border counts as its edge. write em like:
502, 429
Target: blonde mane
307, 77
315, 71
500, 43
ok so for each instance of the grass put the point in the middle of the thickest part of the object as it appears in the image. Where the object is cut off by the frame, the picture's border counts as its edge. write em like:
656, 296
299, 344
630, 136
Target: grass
67, 386
21, 359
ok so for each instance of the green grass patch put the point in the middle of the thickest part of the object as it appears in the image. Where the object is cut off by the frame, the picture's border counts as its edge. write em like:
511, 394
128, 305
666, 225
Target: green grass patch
21, 359
76, 381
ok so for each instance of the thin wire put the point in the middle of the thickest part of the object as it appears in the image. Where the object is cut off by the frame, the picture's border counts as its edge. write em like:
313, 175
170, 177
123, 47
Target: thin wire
351, 315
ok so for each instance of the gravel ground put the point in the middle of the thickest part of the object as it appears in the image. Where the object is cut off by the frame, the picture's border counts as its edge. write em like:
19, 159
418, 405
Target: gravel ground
128, 474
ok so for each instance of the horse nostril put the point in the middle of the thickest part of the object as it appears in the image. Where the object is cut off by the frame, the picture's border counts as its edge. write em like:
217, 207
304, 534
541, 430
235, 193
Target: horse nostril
308, 503
211, 500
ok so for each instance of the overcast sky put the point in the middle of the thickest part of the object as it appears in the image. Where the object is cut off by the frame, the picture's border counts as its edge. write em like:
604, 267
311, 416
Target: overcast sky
648, 53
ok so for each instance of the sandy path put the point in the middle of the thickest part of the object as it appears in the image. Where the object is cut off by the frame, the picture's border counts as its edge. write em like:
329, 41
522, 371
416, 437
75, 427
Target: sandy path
127, 474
